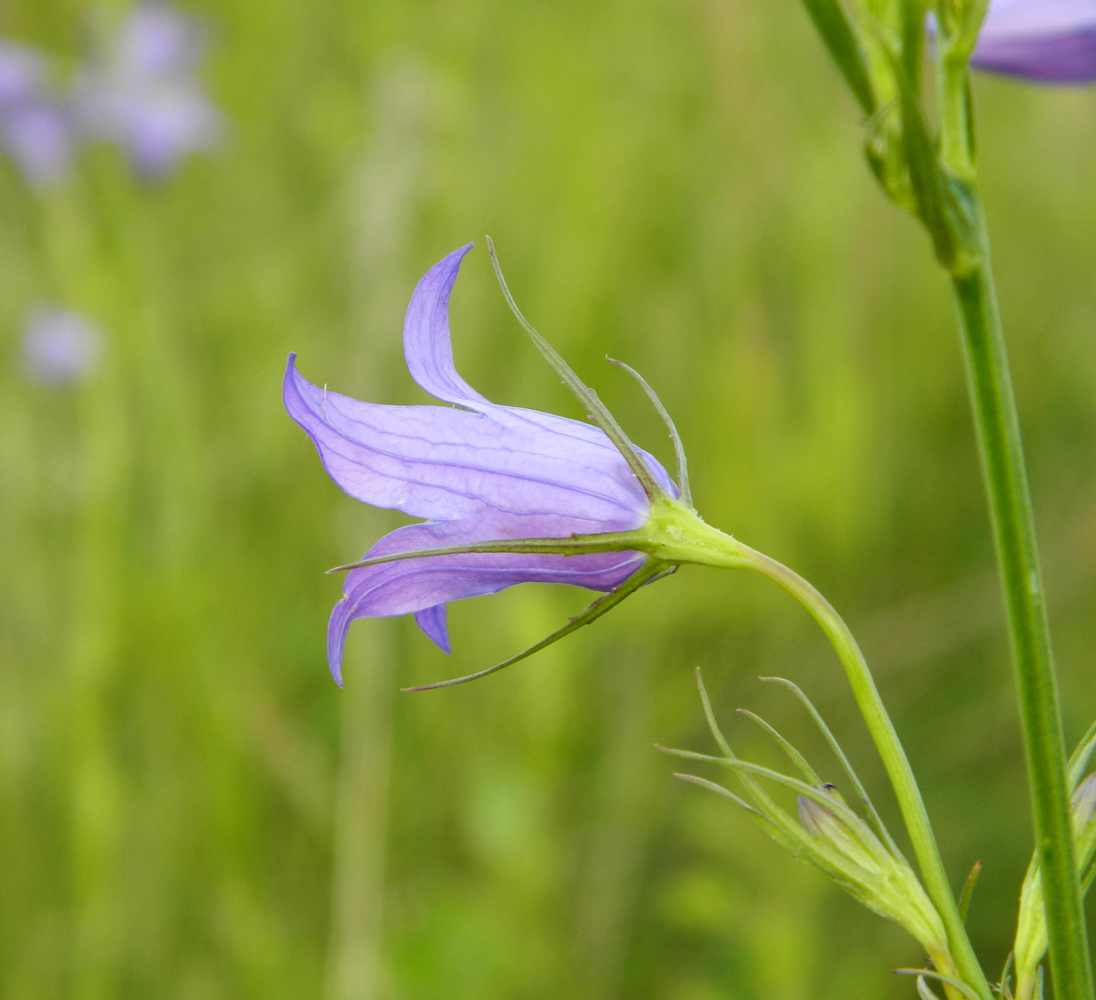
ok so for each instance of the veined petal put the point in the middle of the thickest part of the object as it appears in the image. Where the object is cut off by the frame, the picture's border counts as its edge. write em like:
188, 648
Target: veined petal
414, 585
433, 622
1049, 40
441, 463
428, 351
427, 346
479, 473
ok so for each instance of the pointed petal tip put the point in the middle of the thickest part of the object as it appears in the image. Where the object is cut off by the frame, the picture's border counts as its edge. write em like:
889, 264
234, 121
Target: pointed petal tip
433, 623
290, 374
342, 614
427, 348
451, 260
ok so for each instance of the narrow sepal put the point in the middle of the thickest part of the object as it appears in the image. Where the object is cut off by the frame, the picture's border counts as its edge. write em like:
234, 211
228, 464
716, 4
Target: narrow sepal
692, 779
1079, 759
794, 755
679, 448
598, 608
823, 799
858, 785
595, 409
572, 545
709, 715
779, 825
912, 13
968, 889
951, 981
924, 991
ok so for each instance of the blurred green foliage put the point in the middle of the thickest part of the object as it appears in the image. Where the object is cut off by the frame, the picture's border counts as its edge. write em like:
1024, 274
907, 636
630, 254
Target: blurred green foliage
189, 807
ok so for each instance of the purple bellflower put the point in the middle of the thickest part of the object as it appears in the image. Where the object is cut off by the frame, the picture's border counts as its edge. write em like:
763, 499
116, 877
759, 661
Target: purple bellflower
1051, 41
142, 93
35, 126
509, 495
60, 347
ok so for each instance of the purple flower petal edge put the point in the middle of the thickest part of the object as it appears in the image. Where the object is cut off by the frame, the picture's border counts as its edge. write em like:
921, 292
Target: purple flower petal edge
1048, 41
480, 472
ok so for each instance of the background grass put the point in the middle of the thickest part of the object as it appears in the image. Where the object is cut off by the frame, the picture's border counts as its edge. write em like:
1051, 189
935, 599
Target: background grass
190, 808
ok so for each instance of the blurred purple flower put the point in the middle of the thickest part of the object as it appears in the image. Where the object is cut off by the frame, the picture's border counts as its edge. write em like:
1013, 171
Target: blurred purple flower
478, 471
142, 93
35, 126
1052, 41
59, 346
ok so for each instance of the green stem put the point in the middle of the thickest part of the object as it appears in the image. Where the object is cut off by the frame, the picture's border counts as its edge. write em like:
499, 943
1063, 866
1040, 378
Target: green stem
998, 432
894, 759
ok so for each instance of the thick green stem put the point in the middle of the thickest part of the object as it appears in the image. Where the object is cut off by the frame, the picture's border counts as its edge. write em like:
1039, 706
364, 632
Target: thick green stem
998, 433
894, 759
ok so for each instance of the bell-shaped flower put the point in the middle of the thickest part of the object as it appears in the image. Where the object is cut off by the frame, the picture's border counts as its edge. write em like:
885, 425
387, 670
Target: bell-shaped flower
60, 347
35, 126
141, 93
510, 495
1052, 41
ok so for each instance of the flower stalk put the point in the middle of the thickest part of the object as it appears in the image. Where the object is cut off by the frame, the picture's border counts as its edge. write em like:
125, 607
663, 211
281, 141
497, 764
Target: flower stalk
894, 760
858, 854
997, 429
998, 433
933, 173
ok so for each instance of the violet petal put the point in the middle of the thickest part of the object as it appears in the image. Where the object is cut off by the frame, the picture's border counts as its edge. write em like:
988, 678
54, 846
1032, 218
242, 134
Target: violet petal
414, 585
442, 463
478, 471
433, 622
1051, 41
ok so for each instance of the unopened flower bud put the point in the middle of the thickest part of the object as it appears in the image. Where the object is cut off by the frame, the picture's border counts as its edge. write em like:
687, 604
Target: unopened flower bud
858, 844
1083, 804
853, 854
1031, 927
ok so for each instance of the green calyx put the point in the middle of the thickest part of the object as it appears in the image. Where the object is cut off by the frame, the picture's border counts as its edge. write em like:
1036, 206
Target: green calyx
675, 534
823, 831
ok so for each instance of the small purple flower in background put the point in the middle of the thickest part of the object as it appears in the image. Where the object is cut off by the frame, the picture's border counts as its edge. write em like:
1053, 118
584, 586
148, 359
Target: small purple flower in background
142, 94
60, 347
479, 472
1052, 41
35, 126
